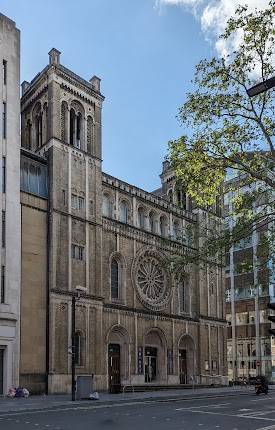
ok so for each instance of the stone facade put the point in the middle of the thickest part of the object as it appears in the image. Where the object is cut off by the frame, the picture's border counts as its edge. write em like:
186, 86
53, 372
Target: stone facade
10, 226
136, 322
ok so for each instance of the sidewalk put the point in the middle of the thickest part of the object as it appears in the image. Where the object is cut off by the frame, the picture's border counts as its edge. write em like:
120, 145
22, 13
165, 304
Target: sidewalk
57, 401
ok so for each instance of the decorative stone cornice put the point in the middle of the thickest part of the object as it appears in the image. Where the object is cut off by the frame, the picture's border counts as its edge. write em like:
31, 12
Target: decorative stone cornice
145, 237
34, 95
144, 313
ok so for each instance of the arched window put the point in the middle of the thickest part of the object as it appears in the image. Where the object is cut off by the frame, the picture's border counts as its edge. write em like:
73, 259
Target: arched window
29, 134
37, 120
123, 212
170, 195
72, 127
181, 198
107, 206
184, 296
176, 230
141, 218
152, 222
79, 348
78, 130
163, 226
76, 124
115, 279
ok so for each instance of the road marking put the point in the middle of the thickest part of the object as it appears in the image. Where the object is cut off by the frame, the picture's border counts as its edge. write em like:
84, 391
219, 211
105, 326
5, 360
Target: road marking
204, 406
267, 428
260, 400
233, 415
245, 410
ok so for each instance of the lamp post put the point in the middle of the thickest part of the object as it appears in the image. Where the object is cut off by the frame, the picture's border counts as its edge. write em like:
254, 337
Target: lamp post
261, 87
75, 296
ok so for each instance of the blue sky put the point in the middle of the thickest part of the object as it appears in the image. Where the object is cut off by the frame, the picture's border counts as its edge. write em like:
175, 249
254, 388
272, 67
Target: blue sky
145, 56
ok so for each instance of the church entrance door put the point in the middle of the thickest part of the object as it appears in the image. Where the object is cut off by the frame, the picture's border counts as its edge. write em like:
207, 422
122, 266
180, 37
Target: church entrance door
150, 364
114, 367
1, 371
183, 366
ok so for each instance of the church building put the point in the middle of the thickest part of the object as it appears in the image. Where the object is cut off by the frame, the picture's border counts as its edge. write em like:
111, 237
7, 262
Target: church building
85, 231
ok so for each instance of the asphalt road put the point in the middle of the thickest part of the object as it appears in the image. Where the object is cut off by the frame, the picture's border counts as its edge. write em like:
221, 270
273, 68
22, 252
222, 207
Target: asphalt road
225, 413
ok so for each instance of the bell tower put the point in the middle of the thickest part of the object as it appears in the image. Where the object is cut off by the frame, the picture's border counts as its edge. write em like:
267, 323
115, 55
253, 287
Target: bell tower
58, 104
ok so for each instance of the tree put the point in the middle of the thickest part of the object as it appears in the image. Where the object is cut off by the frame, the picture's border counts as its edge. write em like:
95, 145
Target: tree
228, 131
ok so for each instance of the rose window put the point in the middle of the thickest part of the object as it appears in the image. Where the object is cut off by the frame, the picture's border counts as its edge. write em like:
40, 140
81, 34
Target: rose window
151, 279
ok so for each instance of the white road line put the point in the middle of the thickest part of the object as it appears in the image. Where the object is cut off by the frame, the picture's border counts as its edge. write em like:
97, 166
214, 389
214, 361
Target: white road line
204, 406
267, 428
233, 415
261, 400
244, 410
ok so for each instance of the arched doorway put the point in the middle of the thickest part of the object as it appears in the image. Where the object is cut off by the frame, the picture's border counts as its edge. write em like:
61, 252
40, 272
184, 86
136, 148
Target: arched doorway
118, 358
186, 360
155, 356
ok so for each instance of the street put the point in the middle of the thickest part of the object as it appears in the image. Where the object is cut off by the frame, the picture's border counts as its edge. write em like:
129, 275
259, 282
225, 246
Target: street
239, 412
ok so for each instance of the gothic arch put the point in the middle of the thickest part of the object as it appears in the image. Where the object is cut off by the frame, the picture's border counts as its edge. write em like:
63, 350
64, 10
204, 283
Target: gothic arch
141, 216
108, 204
77, 106
154, 338
187, 355
127, 203
163, 225
153, 221
76, 126
118, 335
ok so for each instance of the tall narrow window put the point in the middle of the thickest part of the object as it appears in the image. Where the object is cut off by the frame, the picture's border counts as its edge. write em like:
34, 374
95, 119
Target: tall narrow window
2, 296
114, 280
72, 127
38, 129
170, 196
78, 131
176, 233
3, 174
141, 218
123, 212
4, 122
3, 229
29, 134
152, 222
4, 72
163, 226
107, 206
182, 298
78, 348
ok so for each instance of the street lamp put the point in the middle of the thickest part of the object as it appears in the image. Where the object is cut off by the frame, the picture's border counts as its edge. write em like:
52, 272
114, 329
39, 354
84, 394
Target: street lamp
75, 296
261, 87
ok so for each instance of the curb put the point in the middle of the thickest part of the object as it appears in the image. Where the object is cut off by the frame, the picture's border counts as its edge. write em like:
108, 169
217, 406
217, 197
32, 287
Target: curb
108, 403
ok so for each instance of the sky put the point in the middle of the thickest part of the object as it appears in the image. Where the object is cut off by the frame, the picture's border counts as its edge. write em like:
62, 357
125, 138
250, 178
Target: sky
145, 52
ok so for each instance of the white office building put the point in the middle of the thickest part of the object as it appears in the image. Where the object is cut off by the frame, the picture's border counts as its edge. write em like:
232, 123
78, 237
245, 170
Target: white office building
10, 219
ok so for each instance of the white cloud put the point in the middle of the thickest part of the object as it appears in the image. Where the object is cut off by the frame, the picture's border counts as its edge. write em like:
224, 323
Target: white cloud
213, 15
